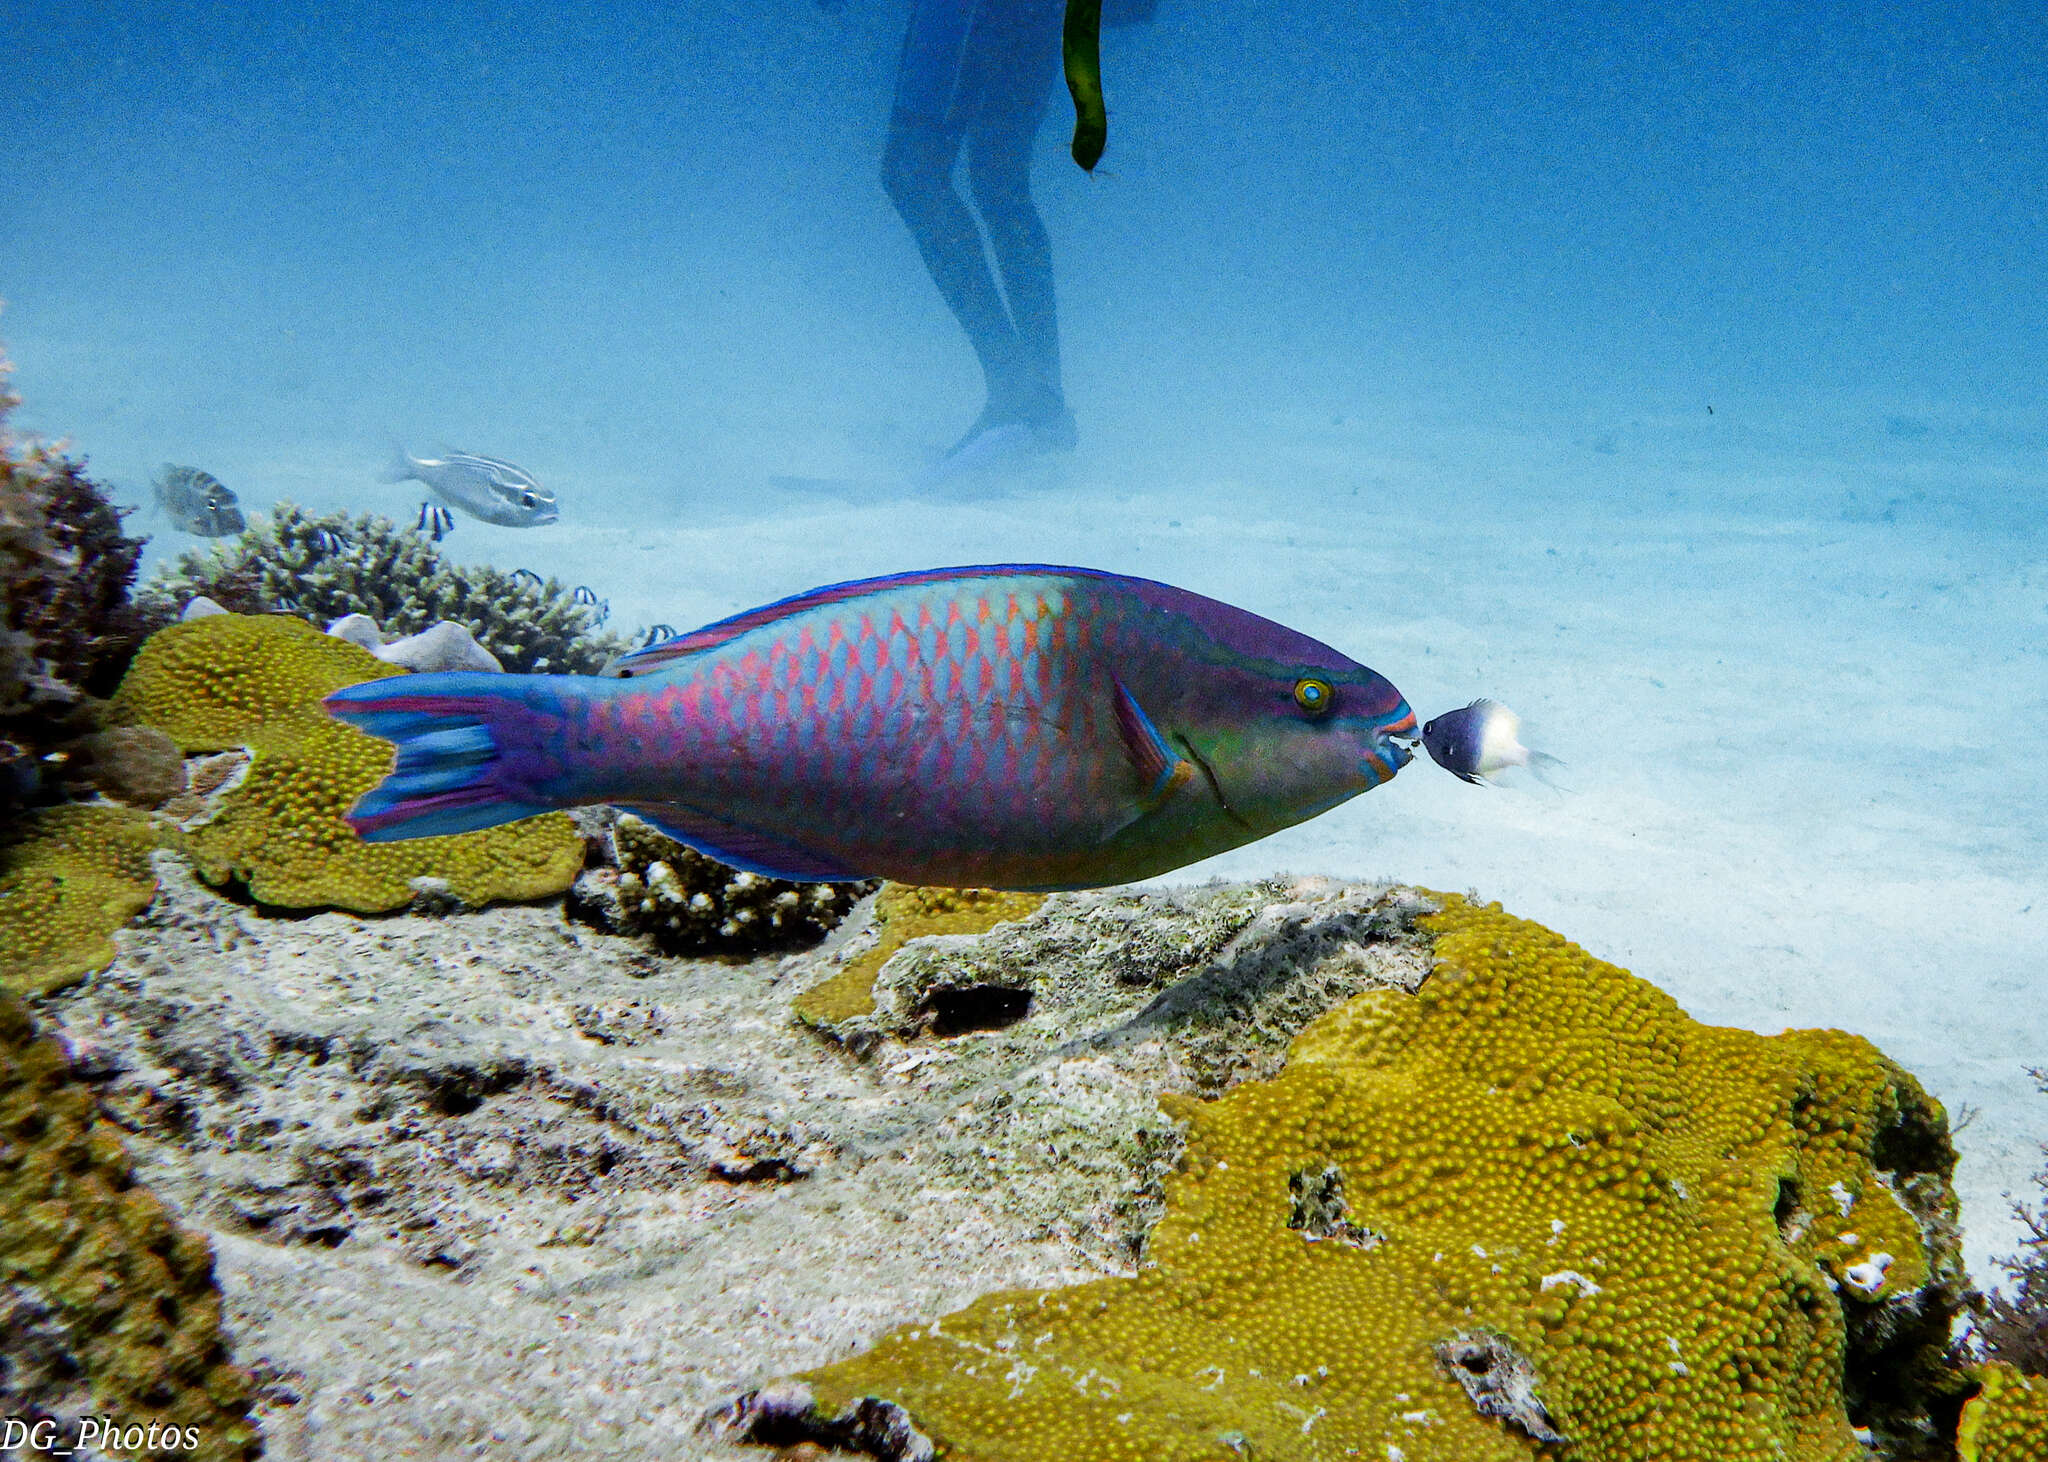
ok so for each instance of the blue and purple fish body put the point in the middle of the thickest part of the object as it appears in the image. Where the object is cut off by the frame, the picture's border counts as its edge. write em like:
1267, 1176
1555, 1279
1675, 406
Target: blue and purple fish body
1017, 726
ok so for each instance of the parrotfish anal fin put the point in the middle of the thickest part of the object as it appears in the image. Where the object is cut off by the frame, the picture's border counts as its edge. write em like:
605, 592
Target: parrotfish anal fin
741, 848
1160, 770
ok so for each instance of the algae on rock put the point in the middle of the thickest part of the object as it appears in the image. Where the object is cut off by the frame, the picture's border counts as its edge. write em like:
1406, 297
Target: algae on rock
110, 1306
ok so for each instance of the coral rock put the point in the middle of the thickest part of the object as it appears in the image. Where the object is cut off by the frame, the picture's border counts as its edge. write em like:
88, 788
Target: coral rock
1537, 1164
209, 683
358, 629
443, 646
2007, 1420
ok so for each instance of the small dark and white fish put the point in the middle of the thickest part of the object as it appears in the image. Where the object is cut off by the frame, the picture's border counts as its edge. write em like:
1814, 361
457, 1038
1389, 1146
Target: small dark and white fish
483, 487
196, 502
436, 519
1481, 741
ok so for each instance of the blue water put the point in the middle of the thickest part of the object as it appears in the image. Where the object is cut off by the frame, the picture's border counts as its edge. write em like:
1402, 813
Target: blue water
1673, 373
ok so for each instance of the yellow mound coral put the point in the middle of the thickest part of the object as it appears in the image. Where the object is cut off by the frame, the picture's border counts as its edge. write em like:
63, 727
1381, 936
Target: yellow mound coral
75, 876
209, 682
1534, 1207
2007, 1421
255, 681
99, 1271
903, 914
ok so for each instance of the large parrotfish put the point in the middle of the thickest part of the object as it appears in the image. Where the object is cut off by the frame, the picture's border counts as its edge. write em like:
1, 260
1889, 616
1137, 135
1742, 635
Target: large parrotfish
1017, 726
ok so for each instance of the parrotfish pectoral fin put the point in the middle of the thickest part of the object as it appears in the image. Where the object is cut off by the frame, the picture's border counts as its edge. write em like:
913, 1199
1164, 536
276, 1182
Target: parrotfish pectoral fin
464, 746
1160, 770
740, 847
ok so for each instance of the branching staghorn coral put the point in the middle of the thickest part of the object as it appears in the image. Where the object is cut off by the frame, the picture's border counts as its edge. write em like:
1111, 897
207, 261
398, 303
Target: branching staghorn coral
324, 566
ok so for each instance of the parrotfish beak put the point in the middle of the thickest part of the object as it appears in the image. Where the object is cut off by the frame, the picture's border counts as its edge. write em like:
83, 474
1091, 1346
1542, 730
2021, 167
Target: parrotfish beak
1393, 746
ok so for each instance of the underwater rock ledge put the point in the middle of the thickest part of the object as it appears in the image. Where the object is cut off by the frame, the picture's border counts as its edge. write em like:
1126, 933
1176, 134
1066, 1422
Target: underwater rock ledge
496, 1174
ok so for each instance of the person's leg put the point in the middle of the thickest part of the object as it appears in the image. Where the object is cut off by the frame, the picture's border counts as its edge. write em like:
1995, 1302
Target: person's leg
926, 124
1011, 62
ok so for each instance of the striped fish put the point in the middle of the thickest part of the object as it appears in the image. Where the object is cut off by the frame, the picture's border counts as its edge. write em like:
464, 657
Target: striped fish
1015, 726
484, 487
196, 502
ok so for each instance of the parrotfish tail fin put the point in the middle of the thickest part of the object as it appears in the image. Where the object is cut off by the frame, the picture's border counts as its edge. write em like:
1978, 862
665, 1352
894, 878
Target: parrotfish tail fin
474, 750
399, 468
1544, 768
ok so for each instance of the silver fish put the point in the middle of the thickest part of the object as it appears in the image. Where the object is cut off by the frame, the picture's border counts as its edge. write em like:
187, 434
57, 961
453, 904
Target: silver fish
1481, 741
482, 487
196, 502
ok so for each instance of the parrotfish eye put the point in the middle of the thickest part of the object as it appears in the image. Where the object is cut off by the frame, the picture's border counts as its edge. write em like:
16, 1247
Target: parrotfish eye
526, 500
1314, 696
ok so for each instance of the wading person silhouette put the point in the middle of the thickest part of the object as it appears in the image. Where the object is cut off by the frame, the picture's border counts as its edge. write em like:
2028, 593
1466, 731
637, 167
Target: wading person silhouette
979, 74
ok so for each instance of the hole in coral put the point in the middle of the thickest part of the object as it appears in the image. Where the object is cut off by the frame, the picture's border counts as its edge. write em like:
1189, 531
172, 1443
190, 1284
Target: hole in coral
976, 1008
1500, 1381
1786, 1208
458, 1093
761, 1170
1914, 1142
457, 1101
1318, 1208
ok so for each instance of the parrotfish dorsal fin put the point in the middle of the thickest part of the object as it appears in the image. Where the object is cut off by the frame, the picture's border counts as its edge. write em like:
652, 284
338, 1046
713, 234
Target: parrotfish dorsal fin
653, 657
1160, 768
